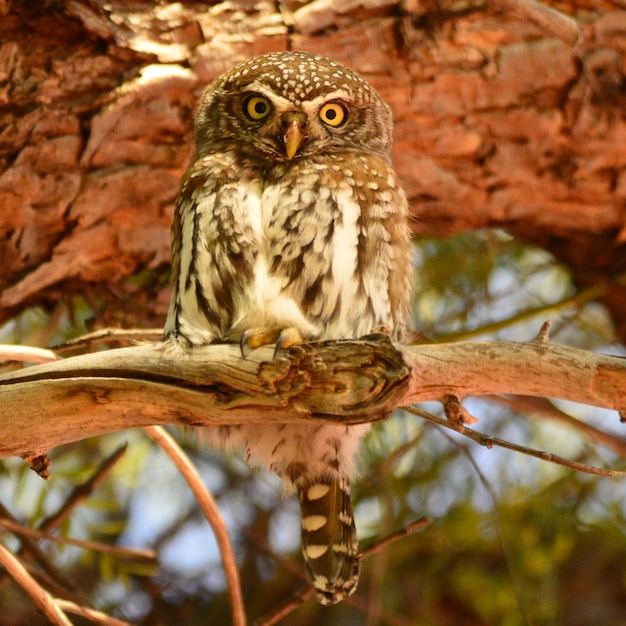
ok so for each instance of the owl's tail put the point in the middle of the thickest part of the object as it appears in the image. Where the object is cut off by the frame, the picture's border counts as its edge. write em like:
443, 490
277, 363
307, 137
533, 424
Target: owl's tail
329, 541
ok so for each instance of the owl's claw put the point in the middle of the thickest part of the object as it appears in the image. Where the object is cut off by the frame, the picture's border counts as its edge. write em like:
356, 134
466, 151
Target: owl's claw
383, 329
256, 337
287, 338
379, 333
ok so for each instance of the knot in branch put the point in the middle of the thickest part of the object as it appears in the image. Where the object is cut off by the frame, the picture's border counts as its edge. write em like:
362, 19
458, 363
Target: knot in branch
347, 379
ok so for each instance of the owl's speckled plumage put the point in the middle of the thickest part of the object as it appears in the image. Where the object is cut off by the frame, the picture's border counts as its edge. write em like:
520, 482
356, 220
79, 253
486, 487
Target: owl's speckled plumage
291, 217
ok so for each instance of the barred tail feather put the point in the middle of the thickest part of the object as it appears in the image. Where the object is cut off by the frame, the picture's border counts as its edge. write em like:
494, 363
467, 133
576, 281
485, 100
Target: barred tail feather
329, 540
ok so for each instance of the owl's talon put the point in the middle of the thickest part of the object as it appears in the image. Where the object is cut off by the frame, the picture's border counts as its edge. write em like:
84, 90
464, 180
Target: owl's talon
256, 337
379, 333
383, 329
243, 344
287, 338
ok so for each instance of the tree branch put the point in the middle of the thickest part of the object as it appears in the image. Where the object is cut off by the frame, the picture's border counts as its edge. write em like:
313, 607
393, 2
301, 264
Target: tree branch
490, 442
40, 596
343, 381
209, 507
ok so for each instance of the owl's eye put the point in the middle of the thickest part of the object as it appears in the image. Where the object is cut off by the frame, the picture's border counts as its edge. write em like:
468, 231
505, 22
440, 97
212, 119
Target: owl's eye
333, 114
257, 107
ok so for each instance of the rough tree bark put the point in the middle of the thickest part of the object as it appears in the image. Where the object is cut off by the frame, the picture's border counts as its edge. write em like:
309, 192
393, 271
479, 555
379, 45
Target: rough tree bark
499, 124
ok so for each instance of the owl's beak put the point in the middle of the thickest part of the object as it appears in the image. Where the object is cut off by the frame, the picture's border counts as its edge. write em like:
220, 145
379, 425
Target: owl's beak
293, 138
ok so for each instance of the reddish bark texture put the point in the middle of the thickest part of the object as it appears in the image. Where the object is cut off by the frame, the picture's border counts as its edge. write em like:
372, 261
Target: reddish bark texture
498, 124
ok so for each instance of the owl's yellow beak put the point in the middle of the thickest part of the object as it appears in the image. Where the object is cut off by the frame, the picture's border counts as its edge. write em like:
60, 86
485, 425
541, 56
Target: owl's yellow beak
293, 138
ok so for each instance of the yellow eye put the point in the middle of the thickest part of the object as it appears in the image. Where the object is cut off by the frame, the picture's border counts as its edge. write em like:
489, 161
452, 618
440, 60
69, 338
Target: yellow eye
333, 114
257, 107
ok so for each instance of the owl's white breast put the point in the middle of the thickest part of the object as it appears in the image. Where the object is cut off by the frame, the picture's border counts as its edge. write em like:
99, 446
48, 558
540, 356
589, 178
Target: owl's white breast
265, 303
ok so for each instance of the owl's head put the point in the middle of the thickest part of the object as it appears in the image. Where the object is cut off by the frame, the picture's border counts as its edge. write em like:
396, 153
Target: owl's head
290, 105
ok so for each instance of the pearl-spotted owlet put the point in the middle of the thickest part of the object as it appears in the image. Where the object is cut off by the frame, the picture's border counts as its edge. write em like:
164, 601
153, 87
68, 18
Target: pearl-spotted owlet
291, 226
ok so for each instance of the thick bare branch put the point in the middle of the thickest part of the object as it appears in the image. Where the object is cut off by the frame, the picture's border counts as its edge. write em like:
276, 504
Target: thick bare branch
346, 381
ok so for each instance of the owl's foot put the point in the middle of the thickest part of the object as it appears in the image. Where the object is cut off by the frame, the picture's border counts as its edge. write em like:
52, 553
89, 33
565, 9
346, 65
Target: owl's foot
256, 337
383, 329
287, 338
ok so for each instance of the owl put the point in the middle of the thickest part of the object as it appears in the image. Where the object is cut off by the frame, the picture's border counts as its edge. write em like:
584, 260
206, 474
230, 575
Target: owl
291, 226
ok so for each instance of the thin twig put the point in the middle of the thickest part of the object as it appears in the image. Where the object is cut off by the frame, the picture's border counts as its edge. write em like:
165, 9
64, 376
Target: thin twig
398, 453
91, 614
54, 588
172, 530
379, 564
26, 354
490, 442
301, 596
403, 532
79, 543
496, 517
109, 335
39, 595
544, 408
298, 598
189, 472
578, 299
50, 524
295, 569
41, 558
83, 491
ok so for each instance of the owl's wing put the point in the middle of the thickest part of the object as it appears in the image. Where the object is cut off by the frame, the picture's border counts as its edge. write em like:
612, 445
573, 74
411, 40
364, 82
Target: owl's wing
385, 247
213, 249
